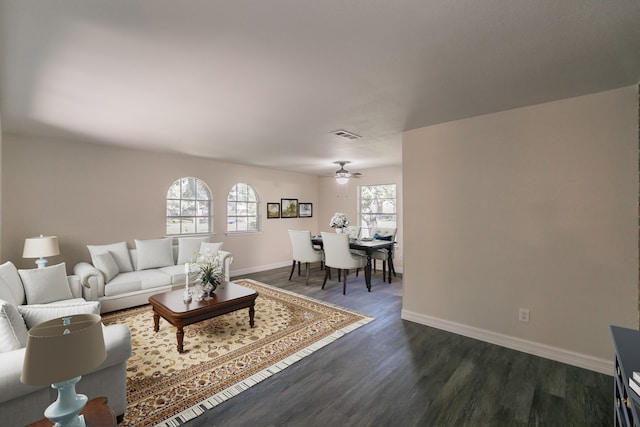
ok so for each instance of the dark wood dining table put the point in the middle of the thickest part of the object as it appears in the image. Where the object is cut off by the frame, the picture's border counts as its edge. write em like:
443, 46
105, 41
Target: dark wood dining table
368, 246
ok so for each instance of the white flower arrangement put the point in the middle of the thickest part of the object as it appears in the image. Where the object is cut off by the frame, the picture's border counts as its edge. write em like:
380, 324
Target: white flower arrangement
209, 267
339, 220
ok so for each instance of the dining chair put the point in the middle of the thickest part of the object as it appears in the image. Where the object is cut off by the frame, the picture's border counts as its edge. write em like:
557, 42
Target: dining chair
353, 231
337, 255
383, 233
303, 251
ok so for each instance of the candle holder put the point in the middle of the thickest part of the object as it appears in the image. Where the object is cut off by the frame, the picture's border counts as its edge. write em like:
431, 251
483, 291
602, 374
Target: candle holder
186, 296
198, 293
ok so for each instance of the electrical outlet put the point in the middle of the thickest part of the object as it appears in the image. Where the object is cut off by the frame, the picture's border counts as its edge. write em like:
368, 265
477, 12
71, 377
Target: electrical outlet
523, 315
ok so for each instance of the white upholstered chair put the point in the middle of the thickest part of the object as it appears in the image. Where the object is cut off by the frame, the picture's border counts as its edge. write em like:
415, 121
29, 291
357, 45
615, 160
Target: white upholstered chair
382, 233
337, 255
303, 251
353, 231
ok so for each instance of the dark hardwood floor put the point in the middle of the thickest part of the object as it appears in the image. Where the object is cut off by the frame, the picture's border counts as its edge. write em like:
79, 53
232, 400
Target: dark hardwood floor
392, 372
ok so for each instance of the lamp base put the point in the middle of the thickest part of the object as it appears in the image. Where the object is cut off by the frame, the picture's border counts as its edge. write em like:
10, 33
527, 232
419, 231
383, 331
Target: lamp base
42, 262
64, 411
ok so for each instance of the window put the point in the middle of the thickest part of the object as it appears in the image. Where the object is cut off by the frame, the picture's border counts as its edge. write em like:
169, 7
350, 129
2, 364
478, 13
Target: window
242, 208
377, 207
188, 207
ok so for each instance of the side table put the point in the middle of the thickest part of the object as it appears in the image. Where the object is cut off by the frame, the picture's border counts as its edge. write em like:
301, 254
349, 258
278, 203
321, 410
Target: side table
96, 413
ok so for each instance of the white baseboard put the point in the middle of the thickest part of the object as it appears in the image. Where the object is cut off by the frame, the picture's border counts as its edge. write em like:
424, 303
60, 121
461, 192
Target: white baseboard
596, 364
240, 272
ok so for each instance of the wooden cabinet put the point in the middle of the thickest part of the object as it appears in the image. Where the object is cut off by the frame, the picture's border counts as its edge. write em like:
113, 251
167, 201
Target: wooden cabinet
626, 344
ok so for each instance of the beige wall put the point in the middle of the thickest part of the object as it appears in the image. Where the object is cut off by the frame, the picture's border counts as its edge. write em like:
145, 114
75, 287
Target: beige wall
536, 208
91, 194
0, 185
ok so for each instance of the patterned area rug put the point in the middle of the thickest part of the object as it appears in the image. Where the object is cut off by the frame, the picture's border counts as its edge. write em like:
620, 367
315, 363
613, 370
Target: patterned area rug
224, 355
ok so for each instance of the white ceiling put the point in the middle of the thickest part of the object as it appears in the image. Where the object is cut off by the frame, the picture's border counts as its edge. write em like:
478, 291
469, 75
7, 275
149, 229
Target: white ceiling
264, 82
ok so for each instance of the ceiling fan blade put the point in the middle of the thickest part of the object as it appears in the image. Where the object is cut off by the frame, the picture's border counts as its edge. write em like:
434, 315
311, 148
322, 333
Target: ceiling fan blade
343, 173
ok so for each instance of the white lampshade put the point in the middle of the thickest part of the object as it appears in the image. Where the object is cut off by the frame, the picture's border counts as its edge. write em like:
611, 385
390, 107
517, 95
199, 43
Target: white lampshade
58, 350
39, 247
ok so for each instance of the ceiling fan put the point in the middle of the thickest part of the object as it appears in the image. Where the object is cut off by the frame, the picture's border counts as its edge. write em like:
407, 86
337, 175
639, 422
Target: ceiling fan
342, 175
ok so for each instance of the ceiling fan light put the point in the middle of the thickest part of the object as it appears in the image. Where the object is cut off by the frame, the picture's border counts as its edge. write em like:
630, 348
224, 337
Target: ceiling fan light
342, 179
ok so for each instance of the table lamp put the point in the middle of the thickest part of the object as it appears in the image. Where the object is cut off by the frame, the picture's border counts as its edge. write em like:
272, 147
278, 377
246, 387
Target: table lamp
40, 247
58, 352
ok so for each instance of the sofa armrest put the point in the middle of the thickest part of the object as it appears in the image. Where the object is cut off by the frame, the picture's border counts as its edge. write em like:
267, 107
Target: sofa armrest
10, 384
92, 281
227, 259
75, 285
117, 341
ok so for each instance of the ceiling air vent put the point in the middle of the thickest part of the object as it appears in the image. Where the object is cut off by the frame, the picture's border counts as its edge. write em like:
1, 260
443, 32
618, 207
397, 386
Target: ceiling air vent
346, 134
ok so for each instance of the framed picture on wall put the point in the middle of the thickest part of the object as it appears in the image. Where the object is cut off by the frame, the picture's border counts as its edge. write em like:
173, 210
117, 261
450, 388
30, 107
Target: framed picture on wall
289, 208
273, 210
305, 210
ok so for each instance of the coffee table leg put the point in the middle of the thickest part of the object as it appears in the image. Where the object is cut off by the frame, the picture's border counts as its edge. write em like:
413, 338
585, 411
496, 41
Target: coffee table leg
180, 337
156, 322
252, 311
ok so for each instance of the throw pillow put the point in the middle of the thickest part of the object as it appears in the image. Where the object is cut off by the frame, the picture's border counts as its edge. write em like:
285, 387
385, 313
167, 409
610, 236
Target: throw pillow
211, 248
5, 292
38, 313
379, 237
188, 247
13, 292
13, 331
43, 285
107, 265
154, 253
119, 251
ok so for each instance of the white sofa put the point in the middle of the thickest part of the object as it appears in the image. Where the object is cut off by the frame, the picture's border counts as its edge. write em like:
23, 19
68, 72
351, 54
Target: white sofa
120, 277
28, 297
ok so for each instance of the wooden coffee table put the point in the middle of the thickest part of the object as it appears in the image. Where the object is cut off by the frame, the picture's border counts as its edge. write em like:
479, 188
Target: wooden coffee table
227, 298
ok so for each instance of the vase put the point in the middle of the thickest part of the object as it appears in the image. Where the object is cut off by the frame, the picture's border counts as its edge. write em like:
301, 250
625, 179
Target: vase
208, 288
339, 230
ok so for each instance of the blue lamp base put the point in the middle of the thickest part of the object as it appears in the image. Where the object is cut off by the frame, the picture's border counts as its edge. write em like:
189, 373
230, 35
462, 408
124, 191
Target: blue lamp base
64, 411
41, 262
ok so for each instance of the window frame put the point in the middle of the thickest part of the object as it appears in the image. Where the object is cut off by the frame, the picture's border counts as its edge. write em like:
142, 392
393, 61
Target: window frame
197, 205
232, 213
364, 225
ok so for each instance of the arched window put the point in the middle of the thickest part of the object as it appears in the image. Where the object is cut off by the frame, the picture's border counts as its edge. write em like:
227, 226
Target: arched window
242, 208
188, 207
